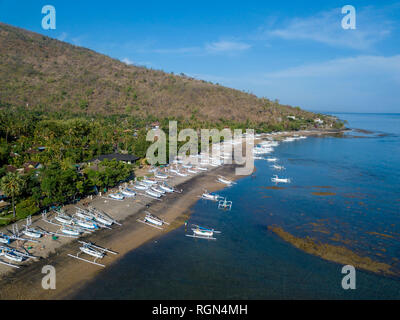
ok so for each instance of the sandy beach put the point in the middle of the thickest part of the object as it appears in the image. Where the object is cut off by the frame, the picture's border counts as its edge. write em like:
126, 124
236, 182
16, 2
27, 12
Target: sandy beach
71, 274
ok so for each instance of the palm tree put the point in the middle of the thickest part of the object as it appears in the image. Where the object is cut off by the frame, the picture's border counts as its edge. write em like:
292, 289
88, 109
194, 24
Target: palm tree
12, 185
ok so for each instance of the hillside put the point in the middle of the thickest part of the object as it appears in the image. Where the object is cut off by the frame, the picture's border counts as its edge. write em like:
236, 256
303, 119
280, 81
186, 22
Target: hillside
39, 71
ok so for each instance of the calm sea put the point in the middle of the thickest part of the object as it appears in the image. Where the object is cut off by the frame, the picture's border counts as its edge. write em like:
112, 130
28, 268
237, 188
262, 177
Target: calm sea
344, 191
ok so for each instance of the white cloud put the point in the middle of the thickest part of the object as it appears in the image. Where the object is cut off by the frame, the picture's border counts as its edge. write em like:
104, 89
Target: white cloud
62, 36
226, 46
372, 65
325, 27
217, 47
360, 84
127, 61
177, 50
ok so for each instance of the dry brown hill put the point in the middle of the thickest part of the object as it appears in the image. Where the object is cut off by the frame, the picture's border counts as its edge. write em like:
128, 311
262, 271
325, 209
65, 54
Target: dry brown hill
37, 70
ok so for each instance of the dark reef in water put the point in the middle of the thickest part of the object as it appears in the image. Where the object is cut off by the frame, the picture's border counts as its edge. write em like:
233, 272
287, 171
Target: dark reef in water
333, 253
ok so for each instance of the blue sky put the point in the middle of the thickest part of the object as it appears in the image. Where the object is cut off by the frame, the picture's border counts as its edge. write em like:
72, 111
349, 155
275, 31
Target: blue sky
294, 51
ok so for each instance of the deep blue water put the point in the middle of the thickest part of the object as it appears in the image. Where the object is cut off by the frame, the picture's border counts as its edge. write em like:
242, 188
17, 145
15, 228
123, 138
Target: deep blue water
344, 191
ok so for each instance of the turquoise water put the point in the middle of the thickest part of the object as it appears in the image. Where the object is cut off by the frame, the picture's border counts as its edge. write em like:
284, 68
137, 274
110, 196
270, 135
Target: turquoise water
344, 191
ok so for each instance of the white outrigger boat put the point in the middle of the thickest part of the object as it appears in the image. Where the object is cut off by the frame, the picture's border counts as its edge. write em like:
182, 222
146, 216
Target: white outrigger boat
153, 221
276, 179
224, 204
149, 181
289, 139
272, 159
203, 233
83, 214
277, 167
13, 254
116, 196
72, 232
166, 188
63, 218
102, 217
128, 193
210, 196
4, 238
153, 193
160, 176
141, 187
86, 224
201, 169
157, 189
181, 174
225, 181
92, 250
33, 233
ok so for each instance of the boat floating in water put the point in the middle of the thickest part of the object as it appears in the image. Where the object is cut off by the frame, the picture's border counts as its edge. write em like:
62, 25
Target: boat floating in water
276, 179
202, 233
224, 204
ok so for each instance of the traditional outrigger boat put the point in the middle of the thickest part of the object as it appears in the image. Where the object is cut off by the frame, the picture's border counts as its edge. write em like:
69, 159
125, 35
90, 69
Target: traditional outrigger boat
128, 193
33, 233
148, 181
272, 159
116, 196
102, 217
202, 233
4, 238
72, 232
201, 169
153, 221
277, 167
86, 224
276, 179
63, 218
225, 181
166, 188
13, 254
153, 193
92, 250
160, 176
224, 204
181, 174
141, 187
210, 196
157, 189
81, 213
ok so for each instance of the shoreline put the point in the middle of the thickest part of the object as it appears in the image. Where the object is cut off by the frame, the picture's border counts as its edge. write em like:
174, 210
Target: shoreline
72, 275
